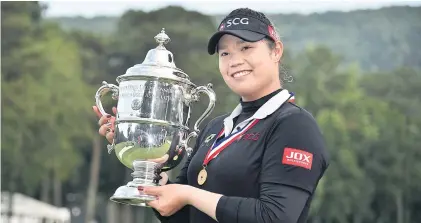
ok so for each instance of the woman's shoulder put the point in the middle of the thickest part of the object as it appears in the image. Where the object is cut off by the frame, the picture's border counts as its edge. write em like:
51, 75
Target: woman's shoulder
292, 116
299, 129
213, 123
218, 119
293, 111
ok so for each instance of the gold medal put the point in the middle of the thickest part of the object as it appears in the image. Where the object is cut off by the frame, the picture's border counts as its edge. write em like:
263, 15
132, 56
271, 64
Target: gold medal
175, 157
201, 178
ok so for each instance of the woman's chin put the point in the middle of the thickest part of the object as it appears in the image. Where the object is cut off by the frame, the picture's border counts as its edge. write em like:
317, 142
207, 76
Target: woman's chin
245, 93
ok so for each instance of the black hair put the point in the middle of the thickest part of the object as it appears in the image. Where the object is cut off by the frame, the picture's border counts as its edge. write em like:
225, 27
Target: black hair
282, 70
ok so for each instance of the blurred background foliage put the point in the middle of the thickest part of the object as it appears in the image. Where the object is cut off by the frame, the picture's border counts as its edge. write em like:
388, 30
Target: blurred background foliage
359, 73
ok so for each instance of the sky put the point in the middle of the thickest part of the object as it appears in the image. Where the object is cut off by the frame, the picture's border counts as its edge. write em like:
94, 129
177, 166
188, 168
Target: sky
116, 8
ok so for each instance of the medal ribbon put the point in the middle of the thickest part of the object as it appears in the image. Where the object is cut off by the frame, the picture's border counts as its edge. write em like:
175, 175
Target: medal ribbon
225, 142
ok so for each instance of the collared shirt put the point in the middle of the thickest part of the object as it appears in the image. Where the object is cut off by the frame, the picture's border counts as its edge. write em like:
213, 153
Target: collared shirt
285, 149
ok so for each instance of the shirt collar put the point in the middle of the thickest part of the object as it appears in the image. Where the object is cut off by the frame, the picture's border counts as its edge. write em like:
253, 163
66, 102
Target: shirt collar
266, 109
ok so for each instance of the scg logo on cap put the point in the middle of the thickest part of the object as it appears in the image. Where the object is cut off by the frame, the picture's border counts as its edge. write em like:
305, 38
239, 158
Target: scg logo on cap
237, 21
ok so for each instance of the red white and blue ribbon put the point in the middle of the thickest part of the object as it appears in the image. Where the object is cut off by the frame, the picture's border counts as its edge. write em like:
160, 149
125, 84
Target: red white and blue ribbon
217, 148
292, 97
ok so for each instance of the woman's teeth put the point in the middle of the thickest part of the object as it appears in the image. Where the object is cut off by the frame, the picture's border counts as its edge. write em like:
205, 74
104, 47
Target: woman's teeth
240, 74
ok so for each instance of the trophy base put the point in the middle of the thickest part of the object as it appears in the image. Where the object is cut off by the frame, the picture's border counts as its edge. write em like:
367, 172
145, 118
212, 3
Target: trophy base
143, 175
130, 195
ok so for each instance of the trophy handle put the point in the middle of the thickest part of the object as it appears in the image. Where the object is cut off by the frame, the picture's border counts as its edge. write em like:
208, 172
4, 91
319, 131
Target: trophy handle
105, 88
195, 97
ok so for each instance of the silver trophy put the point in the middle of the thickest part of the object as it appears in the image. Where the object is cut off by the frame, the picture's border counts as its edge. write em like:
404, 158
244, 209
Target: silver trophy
153, 112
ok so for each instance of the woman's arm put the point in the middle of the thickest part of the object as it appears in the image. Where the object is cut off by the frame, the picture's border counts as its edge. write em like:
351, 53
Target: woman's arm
203, 200
291, 199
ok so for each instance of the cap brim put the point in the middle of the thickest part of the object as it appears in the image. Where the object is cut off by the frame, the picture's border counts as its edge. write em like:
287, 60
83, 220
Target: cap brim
245, 35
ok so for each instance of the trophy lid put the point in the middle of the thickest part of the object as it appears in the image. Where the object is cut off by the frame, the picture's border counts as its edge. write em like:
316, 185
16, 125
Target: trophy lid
158, 64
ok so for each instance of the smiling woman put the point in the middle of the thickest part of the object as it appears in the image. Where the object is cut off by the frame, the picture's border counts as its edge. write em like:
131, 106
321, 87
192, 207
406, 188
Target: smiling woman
249, 54
249, 68
262, 162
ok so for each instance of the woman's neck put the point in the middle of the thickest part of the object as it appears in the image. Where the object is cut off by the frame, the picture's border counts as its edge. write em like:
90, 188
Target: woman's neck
253, 106
265, 91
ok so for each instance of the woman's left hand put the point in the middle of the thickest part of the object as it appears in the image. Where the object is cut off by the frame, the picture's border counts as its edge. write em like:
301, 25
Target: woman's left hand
170, 198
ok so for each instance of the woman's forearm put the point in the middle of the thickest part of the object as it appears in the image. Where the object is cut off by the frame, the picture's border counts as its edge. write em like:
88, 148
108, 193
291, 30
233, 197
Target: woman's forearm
283, 206
204, 201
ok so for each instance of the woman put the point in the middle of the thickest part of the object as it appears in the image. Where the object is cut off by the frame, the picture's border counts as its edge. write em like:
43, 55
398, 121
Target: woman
260, 163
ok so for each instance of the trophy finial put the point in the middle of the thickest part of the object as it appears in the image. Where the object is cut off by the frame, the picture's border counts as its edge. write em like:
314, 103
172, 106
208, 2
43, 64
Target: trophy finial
162, 38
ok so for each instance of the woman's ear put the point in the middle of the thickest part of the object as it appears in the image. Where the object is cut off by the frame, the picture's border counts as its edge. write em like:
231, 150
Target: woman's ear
278, 51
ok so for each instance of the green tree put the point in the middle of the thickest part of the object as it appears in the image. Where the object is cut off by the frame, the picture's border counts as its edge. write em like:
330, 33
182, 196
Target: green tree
46, 108
396, 154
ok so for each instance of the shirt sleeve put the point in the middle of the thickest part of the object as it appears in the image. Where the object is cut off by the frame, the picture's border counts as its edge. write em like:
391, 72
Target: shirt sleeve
291, 200
294, 157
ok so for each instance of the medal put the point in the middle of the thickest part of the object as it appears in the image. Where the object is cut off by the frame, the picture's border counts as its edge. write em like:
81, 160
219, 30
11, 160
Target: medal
178, 153
201, 178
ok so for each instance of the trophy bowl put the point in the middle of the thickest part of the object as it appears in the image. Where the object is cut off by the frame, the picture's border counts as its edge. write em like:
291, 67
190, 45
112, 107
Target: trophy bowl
151, 133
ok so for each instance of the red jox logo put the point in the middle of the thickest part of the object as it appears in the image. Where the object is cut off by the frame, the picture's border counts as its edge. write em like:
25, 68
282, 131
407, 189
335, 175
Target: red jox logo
296, 157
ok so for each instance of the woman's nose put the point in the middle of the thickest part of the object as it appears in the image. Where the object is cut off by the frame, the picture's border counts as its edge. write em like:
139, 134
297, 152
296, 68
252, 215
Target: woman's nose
236, 61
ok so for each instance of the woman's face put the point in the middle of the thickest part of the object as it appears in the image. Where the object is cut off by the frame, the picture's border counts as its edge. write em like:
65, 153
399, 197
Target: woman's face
250, 69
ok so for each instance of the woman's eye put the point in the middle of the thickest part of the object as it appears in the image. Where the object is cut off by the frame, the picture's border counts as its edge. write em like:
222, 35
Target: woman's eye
223, 54
245, 48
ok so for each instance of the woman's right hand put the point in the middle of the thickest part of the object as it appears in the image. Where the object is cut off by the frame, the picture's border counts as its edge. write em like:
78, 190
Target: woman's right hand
106, 124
